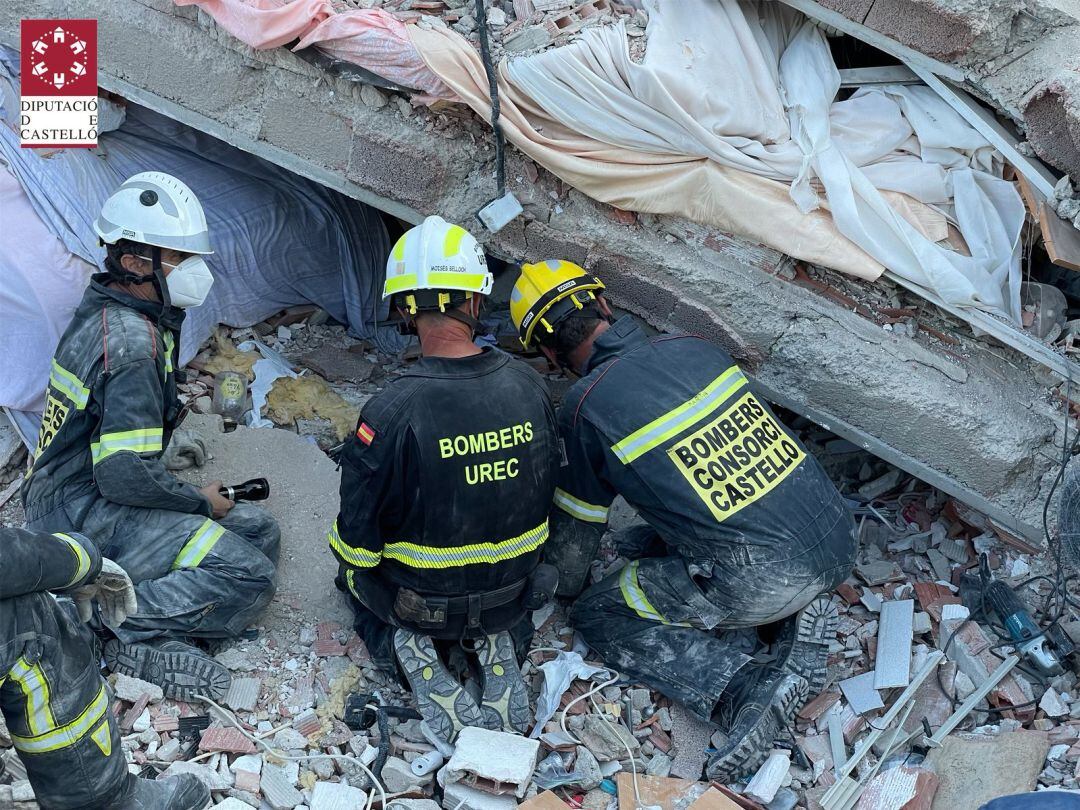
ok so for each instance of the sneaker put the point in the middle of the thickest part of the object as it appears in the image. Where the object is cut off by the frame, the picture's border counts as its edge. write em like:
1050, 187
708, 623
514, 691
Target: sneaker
803, 642
183, 792
505, 703
442, 701
182, 671
752, 716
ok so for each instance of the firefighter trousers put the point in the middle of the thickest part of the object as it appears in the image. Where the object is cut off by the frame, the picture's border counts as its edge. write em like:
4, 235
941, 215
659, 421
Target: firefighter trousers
688, 635
56, 704
194, 577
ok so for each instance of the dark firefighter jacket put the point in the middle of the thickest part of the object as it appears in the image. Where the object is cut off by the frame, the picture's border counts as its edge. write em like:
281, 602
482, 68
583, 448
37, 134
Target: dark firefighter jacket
31, 562
671, 424
446, 485
110, 410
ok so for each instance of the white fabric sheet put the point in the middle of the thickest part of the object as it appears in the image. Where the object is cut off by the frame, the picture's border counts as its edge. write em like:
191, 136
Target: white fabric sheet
753, 86
41, 283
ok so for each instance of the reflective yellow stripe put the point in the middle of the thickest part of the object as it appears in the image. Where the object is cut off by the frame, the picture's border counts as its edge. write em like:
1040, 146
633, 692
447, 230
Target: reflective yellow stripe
675, 421
417, 556
81, 557
359, 557
68, 384
457, 281
452, 242
145, 440
399, 283
580, 509
67, 735
170, 345
399, 248
35, 686
350, 580
199, 545
636, 599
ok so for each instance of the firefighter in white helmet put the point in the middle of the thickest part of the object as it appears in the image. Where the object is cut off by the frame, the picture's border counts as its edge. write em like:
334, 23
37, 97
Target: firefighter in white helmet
202, 567
445, 492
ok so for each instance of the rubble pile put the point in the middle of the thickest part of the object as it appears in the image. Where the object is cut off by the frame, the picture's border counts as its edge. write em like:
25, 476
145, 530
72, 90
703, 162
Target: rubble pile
519, 26
910, 652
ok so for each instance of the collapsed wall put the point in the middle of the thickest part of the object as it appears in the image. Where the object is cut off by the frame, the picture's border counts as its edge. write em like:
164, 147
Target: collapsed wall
1021, 55
972, 417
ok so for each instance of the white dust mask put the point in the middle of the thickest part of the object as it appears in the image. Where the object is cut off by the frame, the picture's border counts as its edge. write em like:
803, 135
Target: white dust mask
189, 282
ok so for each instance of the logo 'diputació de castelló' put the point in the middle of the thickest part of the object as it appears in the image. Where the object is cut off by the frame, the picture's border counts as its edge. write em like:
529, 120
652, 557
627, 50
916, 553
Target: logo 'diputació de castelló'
58, 87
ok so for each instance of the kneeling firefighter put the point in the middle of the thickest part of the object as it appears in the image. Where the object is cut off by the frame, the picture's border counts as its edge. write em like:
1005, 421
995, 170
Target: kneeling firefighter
744, 530
445, 492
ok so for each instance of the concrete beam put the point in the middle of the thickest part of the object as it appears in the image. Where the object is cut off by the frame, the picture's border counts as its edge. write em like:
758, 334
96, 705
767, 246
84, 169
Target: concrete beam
975, 419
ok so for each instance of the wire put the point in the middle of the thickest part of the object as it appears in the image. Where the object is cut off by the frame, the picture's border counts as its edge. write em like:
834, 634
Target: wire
493, 90
228, 715
588, 695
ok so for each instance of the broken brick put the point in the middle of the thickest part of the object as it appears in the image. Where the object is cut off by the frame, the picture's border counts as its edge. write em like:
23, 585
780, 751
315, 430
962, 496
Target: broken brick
818, 706
226, 740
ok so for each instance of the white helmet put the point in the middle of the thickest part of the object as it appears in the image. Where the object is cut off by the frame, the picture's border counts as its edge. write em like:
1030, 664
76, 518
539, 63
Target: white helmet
154, 208
436, 255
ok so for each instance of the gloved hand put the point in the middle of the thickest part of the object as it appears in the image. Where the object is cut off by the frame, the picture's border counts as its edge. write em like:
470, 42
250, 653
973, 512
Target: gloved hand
114, 593
186, 450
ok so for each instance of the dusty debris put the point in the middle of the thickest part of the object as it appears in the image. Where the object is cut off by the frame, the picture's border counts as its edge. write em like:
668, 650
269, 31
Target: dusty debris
973, 769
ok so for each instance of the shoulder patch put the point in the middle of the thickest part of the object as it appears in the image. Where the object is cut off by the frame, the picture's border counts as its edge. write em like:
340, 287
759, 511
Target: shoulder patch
365, 434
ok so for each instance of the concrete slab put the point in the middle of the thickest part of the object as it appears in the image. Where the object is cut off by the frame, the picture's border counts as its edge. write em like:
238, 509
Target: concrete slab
973, 419
304, 500
973, 769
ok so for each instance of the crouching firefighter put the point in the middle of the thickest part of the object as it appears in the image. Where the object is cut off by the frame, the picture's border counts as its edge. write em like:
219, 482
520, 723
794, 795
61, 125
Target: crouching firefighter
743, 527
52, 696
202, 567
445, 493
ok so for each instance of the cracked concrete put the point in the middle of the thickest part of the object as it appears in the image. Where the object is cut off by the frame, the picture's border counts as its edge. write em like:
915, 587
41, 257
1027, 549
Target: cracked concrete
970, 418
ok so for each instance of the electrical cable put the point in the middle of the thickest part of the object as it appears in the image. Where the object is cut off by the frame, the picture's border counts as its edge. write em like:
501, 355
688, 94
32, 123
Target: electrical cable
493, 90
228, 715
588, 695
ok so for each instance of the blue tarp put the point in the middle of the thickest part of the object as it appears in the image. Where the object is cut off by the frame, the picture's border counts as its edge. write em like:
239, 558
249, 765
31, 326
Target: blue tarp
280, 239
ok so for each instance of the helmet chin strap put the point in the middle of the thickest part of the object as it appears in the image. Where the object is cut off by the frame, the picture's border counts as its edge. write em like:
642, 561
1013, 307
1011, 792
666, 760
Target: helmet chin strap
158, 280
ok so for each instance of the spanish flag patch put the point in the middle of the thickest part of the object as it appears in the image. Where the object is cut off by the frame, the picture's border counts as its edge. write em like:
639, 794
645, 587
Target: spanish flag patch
364, 433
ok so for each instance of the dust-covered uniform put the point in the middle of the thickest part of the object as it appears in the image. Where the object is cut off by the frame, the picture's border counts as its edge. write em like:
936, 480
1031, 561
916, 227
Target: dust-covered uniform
53, 698
747, 526
110, 410
445, 493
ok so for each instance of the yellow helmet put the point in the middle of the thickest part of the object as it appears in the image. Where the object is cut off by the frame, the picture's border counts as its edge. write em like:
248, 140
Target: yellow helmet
546, 292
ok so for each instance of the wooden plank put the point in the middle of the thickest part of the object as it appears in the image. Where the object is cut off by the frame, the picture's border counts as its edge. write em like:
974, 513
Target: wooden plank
10, 491
895, 627
887, 74
1041, 178
836, 740
907, 55
996, 677
1061, 238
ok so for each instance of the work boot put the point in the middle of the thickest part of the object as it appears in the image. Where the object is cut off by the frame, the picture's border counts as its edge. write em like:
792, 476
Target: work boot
803, 642
182, 671
505, 704
752, 714
441, 700
183, 792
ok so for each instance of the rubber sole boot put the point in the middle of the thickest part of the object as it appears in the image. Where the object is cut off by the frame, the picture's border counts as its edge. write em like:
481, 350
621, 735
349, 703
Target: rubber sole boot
505, 703
804, 641
183, 792
757, 719
182, 671
440, 699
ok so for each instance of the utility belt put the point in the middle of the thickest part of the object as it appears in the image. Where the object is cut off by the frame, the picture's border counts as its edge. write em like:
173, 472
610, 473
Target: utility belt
468, 616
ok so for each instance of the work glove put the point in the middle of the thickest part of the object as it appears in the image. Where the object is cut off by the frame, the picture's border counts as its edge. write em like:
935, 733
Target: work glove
186, 450
113, 592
